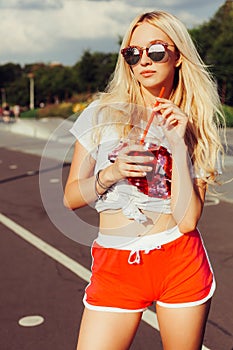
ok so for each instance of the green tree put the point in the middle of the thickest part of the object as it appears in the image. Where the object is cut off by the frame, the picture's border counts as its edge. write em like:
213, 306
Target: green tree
9, 74
214, 41
94, 70
52, 84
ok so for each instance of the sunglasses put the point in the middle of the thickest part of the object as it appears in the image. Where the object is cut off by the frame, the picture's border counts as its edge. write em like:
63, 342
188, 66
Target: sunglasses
156, 51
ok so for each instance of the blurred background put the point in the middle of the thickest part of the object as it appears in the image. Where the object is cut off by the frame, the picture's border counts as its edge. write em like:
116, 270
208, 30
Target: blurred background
56, 54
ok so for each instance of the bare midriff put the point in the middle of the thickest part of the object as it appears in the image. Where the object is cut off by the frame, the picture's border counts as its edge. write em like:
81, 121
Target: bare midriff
114, 222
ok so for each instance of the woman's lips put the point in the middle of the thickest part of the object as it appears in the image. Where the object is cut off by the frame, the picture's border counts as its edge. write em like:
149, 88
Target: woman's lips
147, 73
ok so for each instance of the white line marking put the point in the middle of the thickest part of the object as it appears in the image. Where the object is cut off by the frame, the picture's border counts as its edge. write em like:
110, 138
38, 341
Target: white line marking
148, 316
54, 181
211, 201
31, 321
31, 172
13, 166
54, 253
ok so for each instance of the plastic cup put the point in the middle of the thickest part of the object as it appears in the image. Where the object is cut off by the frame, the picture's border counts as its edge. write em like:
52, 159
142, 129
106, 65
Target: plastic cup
157, 182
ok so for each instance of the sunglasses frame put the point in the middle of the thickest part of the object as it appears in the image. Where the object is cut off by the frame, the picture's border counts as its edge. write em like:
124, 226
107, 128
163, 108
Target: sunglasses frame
147, 48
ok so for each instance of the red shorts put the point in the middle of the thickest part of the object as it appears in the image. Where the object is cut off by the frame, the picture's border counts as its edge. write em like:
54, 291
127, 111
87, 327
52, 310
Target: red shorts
133, 276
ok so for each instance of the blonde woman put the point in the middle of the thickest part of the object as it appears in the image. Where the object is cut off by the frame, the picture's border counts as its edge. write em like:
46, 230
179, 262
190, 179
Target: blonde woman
148, 248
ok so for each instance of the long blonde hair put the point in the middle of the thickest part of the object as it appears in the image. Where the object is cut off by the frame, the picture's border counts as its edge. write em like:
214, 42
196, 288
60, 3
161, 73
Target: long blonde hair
194, 91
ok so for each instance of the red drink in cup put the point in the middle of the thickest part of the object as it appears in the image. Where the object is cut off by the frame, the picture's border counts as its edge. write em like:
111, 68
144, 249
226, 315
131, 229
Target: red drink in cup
157, 182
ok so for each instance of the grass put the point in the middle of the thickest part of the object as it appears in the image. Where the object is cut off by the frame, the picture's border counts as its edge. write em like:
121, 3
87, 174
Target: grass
228, 110
31, 114
63, 110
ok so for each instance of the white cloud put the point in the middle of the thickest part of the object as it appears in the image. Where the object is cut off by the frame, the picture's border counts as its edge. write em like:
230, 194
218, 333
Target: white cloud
31, 28
31, 4
36, 30
80, 20
23, 33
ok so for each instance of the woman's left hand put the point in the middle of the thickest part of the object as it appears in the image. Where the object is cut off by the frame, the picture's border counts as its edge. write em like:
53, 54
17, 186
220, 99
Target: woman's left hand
172, 119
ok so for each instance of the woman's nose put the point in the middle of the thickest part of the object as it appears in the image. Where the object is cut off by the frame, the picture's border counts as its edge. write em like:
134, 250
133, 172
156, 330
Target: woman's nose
145, 60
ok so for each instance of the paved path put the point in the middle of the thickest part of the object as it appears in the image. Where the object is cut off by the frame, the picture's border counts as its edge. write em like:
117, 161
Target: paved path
39, 280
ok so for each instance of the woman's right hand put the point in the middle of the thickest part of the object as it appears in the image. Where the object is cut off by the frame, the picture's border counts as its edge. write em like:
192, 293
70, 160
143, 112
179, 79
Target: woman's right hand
132, 161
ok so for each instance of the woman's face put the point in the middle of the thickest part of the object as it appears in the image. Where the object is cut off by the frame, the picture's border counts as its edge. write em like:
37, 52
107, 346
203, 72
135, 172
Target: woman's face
153, 75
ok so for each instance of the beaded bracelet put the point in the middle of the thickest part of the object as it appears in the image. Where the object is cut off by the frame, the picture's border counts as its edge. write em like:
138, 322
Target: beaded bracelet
100, 183
97, 180
99, 196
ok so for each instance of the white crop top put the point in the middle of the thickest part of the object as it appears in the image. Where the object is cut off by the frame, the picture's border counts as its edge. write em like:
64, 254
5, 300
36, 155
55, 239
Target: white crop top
121, 195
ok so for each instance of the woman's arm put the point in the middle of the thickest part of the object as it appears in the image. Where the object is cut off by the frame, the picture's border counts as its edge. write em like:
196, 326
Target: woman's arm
81, 186
187, 195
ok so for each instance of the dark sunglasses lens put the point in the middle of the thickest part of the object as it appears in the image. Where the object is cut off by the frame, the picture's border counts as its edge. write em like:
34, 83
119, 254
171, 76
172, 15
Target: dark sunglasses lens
156, 52
131, 55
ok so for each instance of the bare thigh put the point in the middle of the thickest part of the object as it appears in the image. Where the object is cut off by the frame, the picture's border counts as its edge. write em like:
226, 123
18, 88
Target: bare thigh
102, 330
183, 328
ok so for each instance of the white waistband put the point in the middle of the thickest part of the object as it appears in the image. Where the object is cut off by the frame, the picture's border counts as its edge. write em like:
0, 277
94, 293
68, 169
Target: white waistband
148, 242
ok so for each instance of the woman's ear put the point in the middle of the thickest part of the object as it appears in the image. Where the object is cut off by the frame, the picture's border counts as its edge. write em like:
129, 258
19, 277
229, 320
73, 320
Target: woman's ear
178, 60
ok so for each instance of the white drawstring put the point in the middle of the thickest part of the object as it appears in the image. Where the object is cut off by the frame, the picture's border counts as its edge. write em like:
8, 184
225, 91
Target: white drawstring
137, 258
148, 250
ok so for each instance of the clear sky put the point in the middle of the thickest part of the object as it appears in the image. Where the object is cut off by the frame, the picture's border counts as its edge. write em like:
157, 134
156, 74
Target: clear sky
60, 30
